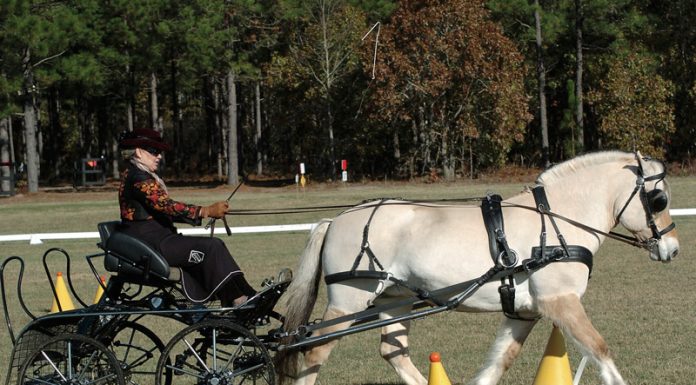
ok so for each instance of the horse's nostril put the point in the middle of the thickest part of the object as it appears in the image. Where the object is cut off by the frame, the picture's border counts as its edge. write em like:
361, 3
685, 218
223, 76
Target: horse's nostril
674, 253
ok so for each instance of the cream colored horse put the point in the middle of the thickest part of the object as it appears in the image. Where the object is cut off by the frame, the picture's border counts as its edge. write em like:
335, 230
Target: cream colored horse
434, 246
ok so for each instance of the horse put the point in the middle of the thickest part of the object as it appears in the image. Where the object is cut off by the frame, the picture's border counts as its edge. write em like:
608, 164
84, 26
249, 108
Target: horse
433, 245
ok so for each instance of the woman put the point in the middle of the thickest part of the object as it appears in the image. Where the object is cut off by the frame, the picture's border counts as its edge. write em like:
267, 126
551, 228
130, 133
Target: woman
148, 213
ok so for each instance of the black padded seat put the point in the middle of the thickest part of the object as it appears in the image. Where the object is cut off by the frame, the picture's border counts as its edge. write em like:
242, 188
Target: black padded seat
132, 258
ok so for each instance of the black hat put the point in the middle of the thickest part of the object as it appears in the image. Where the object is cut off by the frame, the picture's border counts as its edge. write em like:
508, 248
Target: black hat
142, 138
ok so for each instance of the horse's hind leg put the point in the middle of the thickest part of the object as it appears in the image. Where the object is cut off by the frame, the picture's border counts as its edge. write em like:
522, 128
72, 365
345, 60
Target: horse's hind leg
508, 344
394, 349
315, 357
568, 313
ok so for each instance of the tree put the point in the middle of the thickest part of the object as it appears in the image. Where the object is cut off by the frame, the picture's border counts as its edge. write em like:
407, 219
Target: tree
633, 106
675, 41
446, 74
35, 36
324, 51
541, 78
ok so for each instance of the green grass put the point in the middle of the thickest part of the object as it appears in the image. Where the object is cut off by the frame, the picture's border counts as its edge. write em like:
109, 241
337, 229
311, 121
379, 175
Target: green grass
645, 310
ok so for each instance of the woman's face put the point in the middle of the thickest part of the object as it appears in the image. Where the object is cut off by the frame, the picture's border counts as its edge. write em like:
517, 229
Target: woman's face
150, 160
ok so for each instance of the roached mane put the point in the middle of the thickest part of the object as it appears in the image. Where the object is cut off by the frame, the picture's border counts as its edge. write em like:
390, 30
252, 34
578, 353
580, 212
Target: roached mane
571, 166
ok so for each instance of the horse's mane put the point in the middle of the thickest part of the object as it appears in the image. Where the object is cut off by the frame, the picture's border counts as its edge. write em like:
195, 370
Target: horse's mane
573, 165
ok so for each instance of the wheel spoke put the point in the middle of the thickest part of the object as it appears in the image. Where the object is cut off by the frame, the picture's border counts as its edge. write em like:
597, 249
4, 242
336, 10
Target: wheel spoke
195, 354
53, 365
182, 371
85, 367
233, 355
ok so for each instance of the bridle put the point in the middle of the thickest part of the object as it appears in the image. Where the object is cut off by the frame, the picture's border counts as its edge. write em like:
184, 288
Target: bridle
653, 202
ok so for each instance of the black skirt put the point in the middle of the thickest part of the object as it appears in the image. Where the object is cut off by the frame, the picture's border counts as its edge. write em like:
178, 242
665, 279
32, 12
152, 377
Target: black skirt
208, 269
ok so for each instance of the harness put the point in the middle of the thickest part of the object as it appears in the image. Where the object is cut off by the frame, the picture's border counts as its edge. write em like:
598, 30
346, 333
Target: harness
505, 259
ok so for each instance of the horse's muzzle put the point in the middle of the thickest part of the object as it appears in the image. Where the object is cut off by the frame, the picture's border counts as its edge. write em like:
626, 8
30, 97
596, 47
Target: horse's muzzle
665, 250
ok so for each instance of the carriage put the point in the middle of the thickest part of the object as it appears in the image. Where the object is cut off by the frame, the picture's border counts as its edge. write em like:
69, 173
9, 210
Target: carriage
105, 343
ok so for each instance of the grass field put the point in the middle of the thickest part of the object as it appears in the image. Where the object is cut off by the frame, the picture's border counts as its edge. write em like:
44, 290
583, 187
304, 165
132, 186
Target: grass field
645, 310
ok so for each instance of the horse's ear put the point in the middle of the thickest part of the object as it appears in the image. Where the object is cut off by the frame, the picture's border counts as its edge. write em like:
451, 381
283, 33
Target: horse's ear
643, 162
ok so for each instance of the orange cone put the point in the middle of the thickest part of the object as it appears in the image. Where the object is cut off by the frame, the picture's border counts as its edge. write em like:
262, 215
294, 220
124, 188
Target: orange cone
437, 375
100, 290
63, 296
554, 368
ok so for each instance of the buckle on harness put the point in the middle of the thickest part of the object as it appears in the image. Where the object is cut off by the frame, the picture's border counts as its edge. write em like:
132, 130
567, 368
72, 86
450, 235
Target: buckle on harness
505, 260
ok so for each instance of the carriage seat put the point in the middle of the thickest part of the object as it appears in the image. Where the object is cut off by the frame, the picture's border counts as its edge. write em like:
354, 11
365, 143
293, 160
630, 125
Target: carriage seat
132, 258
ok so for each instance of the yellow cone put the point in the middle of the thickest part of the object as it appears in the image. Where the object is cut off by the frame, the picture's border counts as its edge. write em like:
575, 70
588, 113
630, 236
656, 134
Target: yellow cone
100, 290
63, 296
437, 375
554, 368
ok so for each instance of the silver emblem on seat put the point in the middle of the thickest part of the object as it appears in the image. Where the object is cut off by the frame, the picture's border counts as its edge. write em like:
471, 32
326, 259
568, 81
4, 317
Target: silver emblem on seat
196, 256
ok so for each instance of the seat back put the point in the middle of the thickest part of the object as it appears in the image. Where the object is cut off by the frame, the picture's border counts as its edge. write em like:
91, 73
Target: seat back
130, 257
105, 231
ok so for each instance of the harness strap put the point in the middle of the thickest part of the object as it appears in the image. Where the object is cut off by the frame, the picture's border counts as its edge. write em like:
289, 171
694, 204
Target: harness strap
365, 246
493, 221
492, 214
380, 275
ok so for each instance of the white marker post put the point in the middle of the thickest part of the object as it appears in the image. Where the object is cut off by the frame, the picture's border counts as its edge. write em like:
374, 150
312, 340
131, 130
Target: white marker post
303, 181
344, 170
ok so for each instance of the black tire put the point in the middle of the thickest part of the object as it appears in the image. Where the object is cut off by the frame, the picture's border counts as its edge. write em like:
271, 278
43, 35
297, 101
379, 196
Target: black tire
69, 359
216, 352
137, 350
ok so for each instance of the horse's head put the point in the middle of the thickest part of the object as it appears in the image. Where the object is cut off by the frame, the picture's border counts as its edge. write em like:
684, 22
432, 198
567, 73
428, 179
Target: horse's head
644, 211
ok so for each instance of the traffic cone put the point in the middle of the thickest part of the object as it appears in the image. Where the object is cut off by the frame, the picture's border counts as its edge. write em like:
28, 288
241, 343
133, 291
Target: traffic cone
63, 296
100, 290
554, 368
437, 375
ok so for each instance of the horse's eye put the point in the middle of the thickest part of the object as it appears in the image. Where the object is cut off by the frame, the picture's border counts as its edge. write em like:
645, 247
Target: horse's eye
657, 199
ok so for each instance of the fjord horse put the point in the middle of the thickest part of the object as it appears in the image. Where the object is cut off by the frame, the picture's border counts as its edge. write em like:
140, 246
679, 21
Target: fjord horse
433, 246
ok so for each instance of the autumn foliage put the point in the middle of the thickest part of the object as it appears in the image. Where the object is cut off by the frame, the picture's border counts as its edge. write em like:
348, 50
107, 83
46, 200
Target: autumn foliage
450, 84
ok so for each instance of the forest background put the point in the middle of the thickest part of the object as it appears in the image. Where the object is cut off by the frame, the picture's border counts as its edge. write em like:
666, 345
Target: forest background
399, 89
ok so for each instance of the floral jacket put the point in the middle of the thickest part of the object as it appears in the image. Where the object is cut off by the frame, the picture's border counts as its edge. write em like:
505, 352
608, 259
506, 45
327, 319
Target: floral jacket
141, 198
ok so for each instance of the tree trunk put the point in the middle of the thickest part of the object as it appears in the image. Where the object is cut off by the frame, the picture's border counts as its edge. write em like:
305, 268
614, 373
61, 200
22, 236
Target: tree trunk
5, 169
233, 155
129, 98
541, 75
332, 145
155, 119
257, 138
217, 136
579, 121
30, 126
178, 123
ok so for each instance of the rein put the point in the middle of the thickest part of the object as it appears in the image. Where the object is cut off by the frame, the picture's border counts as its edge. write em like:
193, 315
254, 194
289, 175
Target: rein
633, 241
313, 209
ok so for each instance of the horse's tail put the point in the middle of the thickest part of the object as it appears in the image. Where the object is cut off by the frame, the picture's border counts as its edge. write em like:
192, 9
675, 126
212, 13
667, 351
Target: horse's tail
300, 296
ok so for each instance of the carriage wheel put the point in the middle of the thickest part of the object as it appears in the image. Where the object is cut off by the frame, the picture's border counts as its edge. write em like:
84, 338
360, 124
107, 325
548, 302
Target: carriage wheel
137, 349
71, 359
216, 352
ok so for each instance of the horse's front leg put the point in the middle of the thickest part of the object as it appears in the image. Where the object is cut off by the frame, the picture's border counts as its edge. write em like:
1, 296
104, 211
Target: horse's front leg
394, 348
568, 313
508, 344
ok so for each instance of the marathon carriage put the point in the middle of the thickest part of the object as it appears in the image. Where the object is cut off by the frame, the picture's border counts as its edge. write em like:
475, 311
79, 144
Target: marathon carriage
410, 263
105, 343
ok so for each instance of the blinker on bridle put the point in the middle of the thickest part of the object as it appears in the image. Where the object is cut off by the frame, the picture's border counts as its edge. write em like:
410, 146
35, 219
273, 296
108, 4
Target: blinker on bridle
653, 202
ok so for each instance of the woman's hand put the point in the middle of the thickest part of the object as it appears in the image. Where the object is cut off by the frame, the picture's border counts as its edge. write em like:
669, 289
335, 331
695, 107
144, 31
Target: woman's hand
217, 210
